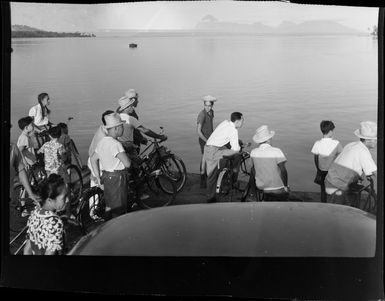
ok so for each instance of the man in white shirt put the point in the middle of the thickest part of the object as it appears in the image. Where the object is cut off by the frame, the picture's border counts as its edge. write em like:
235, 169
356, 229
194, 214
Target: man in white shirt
269, 164
115, 163
325, 152
215, 148
100, 133
354, 161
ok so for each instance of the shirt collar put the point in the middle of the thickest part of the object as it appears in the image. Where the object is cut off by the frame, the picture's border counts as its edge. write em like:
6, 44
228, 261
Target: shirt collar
231, 123
264, 146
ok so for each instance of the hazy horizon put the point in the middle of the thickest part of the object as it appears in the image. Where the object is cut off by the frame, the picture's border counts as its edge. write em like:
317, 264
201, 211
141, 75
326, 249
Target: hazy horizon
177, 15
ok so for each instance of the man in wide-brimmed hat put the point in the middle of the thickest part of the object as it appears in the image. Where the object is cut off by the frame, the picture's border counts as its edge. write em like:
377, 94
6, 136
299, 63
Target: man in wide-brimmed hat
115, 163
133, 98
354, 161
205, 128
126, 106
269, 164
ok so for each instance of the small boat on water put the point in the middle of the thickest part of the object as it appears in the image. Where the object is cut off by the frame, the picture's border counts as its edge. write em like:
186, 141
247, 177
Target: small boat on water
133, 45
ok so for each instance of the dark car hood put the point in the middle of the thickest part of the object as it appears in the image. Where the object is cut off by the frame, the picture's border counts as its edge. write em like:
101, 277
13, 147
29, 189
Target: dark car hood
283, 229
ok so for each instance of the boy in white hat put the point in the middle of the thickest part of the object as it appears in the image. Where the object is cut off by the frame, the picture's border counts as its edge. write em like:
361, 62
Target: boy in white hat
354, 161
204, 130
269, 164
115, 163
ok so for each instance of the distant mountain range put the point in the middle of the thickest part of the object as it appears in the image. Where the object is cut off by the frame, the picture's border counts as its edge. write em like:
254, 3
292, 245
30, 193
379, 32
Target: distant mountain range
23, 31
210, 24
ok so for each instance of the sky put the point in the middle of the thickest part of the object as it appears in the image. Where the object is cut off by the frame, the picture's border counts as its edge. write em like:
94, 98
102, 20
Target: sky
180, 15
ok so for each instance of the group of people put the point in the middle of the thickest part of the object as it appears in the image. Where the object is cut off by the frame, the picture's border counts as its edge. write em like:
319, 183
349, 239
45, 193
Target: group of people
337, 168
113, 158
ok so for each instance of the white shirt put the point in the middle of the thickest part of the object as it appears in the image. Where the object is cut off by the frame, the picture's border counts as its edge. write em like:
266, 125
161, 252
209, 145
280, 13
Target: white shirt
37, 115
107, 149
354, 160
327, 150
224, 133
128, 132
356, 156
267, 173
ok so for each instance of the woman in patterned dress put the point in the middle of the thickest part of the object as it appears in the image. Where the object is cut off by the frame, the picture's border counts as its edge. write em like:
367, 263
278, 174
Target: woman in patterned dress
45, 233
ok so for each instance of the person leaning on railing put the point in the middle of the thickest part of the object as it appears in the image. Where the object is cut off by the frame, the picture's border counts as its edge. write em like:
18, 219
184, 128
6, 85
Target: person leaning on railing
354, 161
215, 149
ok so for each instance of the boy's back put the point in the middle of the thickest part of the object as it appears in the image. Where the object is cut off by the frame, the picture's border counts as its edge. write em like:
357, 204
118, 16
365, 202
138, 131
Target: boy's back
52, 151
327, 149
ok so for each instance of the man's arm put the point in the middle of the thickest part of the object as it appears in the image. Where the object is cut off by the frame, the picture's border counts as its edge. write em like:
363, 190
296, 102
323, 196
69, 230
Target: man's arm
124, 158
27, 154
283, 170
25, 182
150, 133
316, 161
94, 159
234, 141
199, 132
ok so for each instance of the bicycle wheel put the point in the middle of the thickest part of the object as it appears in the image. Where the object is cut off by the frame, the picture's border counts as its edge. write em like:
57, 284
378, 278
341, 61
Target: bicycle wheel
156, 195
224, 191
174, 168
75, 183
92, 209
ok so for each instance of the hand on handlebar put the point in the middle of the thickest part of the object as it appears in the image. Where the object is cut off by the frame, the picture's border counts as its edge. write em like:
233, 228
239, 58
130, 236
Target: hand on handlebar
164, 138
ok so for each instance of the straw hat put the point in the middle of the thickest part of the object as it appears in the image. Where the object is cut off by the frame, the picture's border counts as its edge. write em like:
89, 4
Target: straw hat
112, 120
263, 134
127, 100
209, 98
368, 130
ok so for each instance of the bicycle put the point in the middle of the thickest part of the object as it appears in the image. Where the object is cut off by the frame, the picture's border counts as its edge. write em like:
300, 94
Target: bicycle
152, 187
226, 184
160, 157
369, 200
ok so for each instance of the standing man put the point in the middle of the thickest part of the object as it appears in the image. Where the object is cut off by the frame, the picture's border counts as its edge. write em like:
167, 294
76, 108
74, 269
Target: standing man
133, 96
126, 107
100, 133
215, 149
204, 129
115, 164
354, 161
269, 164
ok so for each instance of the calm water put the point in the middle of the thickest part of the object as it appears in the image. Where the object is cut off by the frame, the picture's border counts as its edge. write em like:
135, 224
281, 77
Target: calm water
289, 83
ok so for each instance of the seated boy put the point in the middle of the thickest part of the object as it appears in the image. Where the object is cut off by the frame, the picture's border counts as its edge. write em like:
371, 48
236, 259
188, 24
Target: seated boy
269, 163
325, 152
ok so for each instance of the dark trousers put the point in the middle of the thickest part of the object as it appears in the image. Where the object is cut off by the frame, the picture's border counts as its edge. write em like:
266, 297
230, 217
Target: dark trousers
323, 192
116, 191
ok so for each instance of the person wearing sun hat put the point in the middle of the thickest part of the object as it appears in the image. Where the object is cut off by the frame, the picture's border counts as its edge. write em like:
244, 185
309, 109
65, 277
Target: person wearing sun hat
354, 161
205, 128
269, 164
132, 95
115, 163
126, 106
